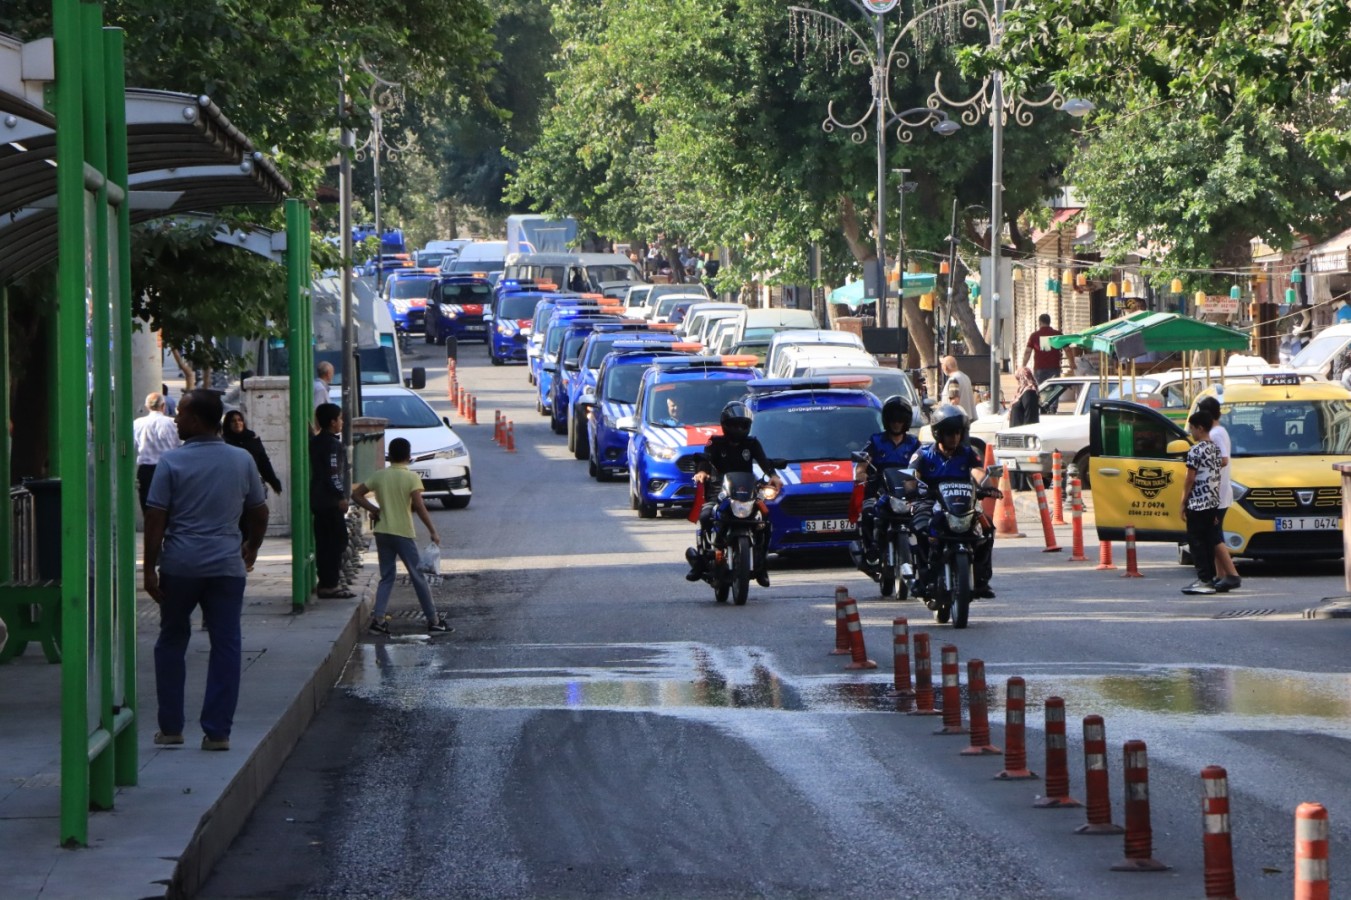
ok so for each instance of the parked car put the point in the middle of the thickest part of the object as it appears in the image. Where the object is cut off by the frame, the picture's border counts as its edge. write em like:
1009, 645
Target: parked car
803, 336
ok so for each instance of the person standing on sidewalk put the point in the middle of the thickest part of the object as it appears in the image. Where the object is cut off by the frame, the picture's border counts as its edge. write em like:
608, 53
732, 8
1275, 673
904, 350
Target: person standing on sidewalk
398, 490
194, 557
154, 435
1201, 506
1226, 576
1045, 363
323, 380
955, 377
328, 500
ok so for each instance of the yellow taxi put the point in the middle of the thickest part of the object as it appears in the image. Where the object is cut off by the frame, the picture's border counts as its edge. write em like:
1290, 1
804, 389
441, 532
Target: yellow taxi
1286, 434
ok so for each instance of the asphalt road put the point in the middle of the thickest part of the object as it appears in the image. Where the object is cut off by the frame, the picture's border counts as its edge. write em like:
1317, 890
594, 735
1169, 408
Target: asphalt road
598, 727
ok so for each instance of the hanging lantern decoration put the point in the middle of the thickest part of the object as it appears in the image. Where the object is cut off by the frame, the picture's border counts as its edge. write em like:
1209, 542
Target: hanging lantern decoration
1081, 281
1235, 293
926, 302
1112, 290
1017, 273
1127, 287
1296, 275
1200, 299
944, 268
1176, 286
1053, 285
1290, 296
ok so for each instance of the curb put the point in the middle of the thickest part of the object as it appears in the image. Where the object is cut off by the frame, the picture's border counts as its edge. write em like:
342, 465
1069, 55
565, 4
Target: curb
223, 821
1335, 608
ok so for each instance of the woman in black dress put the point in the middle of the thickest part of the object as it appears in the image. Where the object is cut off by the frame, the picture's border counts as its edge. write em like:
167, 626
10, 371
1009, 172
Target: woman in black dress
1025, 408
237, 434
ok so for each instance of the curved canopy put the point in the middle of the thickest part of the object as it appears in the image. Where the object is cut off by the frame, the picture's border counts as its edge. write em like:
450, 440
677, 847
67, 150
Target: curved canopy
1151, 332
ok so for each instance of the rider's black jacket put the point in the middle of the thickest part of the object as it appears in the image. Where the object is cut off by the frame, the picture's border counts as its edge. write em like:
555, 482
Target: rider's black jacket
723, 455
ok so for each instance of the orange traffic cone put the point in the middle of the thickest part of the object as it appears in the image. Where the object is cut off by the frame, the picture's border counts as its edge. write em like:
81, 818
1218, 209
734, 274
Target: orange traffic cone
1005, 517
988, 504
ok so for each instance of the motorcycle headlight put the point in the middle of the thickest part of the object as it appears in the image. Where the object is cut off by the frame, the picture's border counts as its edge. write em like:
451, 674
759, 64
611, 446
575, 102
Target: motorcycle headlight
665, 454
769, 492
1239, 489
742, 508
960, 524
897, 504
451, 452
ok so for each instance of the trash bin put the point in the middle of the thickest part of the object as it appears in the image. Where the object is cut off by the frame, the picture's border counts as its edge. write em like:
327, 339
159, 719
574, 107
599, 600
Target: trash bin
47, 525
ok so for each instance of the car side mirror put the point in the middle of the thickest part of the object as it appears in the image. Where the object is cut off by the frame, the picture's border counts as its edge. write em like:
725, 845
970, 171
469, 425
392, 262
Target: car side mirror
1178, 447
418, 381
587, 399
446, 419
572, 366
487, 315
626, 423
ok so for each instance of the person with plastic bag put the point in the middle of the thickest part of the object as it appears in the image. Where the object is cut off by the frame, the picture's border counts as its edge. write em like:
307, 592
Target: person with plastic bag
398, 493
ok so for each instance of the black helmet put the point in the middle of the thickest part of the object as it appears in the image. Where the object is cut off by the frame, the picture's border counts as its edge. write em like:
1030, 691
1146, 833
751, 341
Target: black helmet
948, 419
895, 409
736, 419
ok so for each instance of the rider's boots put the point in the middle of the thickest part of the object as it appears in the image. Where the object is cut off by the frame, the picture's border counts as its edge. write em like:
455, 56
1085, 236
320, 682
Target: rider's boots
696, 561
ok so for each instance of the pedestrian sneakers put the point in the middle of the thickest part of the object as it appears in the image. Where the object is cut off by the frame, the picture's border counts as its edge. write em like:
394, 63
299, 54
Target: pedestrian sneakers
168, 740
210, 743
1199, 587
1224, 585
378, 626
440, 626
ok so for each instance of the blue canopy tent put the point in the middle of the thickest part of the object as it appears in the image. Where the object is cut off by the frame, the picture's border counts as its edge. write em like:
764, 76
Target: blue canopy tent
851, 294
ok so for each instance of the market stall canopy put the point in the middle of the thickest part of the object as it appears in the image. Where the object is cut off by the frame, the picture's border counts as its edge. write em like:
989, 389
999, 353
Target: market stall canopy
916, 284
1153, 332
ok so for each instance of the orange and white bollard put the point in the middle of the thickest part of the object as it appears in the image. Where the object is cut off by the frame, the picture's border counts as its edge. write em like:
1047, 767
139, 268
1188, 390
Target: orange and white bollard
978, 706
900, 643
1105, 556
460, 394
473, 410
1077, 518
499, 427
511, 437
924, 684
841, 622
1015, 733
1096, 787
1218, 847
952, 693
1047, 531
857, 650
987, 504
1132, 562
1057, 760
1139, 834
1311, 852
1057, 489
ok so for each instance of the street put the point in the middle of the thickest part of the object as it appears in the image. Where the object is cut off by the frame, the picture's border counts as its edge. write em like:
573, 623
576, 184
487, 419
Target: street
597, 726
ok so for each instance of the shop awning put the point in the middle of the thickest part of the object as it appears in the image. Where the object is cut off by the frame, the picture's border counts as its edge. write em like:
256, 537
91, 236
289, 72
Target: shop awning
1153, 332
916, 284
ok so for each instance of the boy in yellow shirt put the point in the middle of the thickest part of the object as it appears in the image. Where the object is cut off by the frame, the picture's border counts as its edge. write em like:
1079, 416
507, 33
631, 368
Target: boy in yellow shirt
398, 491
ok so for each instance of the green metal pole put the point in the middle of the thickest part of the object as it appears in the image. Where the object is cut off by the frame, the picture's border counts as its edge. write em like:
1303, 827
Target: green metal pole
126, 751
72, 401
6, 509
301, 406
312, 566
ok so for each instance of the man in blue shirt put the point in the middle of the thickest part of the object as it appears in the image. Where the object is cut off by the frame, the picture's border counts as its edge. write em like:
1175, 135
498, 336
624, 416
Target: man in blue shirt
952, 456
888, 449
193, 557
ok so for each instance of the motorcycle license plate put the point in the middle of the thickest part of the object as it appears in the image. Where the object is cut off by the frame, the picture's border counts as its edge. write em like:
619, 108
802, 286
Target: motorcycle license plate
1309, 523
816, 525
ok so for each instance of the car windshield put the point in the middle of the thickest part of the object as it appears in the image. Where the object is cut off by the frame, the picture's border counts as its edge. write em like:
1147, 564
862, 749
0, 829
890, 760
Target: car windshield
692, 402
554, 339
601, 345
758, 334
410, 288
477, 265
1289, 427
607, 273
402, 411
621, 382
553, 274
466, 293
816, 432
638, 296
661, 290
573, 347
1319, 351
882, 384
378, 364
516, 306
428, 260
666, 304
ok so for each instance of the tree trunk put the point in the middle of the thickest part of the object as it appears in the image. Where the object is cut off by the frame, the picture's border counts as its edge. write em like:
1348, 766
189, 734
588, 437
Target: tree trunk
965, 316
189, 375
671, 251
852, 230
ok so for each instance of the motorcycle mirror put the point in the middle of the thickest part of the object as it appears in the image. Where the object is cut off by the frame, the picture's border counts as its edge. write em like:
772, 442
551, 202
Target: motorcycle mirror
994, 473
859, 456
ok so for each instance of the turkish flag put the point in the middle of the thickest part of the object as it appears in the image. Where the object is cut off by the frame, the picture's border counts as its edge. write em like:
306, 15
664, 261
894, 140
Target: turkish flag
698, 435
698, 502
819, 472
856, 503
473, 309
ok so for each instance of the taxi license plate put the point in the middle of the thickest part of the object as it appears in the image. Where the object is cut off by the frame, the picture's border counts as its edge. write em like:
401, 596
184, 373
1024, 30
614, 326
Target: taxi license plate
1309, 523
815, 525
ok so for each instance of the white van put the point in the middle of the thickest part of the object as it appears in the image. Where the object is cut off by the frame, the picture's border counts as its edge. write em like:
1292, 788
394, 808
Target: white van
610, 274
1324, 354
694, 326
762, 323
794, 361
812, 336
489, 257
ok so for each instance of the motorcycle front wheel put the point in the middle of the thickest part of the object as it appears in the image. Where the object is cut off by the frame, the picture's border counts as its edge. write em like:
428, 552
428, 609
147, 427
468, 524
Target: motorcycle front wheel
943, 596
961, 590
741, 569
900, 555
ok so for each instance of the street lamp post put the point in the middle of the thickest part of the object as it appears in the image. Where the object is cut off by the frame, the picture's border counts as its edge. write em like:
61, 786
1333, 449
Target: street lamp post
384, 96
902, 188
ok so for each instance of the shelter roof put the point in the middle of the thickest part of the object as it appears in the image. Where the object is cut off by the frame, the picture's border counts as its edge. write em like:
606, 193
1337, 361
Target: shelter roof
1154, 332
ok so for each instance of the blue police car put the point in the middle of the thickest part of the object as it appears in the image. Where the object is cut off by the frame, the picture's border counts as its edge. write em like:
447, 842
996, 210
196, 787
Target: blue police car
405, 293
814, 423
614, 397
567, 321
545, 310
583, 380
513, 316
455, 308
677, 410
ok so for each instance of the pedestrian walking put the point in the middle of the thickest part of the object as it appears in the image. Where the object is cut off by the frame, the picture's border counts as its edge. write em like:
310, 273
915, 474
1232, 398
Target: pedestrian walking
398, 493
170, 404
1046, 363
154, 435
1226, 576
966, 397
328, 500
1201, 506
323, 381
194, 557
1026, 406
237, 434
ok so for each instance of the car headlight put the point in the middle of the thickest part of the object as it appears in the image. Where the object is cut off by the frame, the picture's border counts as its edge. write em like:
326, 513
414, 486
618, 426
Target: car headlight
769, 492
400, 306
1239, 489
451, 452
742, 508
502, 328
960, 524
1033, 442
666, 454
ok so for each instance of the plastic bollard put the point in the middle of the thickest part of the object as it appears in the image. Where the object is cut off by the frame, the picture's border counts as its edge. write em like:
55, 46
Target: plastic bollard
1015, 733
1057, 760
1139, 834
952, 693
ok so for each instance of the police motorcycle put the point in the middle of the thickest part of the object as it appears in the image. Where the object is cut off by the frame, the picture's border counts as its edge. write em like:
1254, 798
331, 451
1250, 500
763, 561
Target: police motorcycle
888, 554
741, 506
955, 526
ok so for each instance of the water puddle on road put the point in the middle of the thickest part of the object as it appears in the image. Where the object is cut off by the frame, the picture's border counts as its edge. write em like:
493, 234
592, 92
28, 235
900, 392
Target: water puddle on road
674, 676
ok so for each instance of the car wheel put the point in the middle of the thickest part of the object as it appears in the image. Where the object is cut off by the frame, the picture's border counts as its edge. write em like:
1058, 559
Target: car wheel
556, 426
497, 360
582, 450
539, 407
427, 336
647, 510
454, 502
633, 498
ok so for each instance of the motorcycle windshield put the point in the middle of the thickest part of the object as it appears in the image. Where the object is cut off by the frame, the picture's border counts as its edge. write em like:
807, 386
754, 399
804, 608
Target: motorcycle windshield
740, 485
958, 496
894, 480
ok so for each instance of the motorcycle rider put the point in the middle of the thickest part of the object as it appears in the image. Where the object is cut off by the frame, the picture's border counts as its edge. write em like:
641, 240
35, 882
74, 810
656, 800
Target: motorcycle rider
952, 456
890, 448
732, 451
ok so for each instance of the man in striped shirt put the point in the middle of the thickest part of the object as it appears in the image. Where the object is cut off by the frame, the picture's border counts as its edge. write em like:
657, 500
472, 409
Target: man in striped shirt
154, 434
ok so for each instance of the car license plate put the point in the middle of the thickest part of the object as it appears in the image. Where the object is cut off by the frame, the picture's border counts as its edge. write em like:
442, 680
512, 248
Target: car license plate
1309, 523
421, 473
475, 327
815, 525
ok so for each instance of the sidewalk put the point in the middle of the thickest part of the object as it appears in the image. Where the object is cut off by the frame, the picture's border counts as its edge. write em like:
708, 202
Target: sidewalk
165, 834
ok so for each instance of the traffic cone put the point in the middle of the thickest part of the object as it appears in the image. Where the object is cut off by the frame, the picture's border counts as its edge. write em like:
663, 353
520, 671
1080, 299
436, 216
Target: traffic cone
1311, 852
499, 429
1105, 555
858, 652
1057, 760
1077, 517
511, 436
473, 410
978, 705
924, 687
1218, 847
900, 643
1005, 516
841, 621
1015, 733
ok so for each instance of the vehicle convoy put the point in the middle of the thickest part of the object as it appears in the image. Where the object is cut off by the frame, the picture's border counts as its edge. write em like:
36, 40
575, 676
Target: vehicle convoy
677, 410
565, 384
582, 386
609, 274
560, 305
456, 307
566, 323
513, 314
612, 397
1286, 434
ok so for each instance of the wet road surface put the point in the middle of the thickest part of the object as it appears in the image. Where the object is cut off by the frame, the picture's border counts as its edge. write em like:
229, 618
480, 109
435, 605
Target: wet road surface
597, 727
